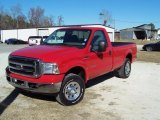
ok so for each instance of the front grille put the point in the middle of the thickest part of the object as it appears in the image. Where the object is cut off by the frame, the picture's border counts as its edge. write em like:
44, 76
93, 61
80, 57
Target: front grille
25, 66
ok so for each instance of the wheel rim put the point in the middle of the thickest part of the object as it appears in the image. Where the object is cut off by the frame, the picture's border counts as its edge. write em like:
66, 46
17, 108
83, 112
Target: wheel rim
149, 49
72, 91
127, 68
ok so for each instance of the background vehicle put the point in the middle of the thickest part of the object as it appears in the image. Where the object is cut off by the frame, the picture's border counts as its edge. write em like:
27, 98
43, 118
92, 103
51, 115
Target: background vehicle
36, 40
44, 37
152, 47
158, 37
15, 41
66, 60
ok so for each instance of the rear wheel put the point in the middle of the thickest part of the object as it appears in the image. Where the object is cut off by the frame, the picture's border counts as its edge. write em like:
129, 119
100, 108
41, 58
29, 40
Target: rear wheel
149, 49
72, 90
125, 70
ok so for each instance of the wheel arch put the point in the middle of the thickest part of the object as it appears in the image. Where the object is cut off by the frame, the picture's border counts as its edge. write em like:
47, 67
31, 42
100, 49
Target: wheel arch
129, 56
78, 70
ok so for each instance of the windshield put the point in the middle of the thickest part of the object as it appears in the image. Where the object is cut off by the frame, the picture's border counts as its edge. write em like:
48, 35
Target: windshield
70, 37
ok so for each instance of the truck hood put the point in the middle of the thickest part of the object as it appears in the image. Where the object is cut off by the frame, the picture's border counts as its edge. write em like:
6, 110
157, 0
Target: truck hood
45, 52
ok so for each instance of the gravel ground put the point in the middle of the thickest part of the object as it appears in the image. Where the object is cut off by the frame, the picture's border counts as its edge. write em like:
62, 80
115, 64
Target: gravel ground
106, 98
9, 48
139, 47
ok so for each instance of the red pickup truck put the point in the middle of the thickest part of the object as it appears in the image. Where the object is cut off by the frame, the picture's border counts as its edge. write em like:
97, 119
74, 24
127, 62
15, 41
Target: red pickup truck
66, 60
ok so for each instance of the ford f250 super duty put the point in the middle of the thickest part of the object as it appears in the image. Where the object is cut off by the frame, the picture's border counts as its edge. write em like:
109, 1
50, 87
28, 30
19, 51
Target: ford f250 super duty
66, 60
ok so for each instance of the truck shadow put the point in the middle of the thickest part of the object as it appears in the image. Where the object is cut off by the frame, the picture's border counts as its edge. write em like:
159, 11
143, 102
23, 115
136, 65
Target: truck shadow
100, 79
8, 100
13, 95
45, 97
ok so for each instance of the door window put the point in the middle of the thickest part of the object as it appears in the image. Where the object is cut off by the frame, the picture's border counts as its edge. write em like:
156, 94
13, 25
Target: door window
98, 36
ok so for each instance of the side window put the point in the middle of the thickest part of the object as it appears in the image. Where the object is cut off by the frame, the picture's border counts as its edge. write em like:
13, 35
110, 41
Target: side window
98, 36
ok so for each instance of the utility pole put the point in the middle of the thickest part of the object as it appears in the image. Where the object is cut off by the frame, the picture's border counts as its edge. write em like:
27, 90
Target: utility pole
103, 18
114, 23
17, 26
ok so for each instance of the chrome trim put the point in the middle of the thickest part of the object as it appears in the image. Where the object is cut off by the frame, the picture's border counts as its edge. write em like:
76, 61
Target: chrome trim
72, 91
35, 73
21, 69
21, 64
38, 87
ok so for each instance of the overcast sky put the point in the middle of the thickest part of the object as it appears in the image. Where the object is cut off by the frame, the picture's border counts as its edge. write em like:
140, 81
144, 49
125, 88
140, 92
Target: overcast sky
126, 13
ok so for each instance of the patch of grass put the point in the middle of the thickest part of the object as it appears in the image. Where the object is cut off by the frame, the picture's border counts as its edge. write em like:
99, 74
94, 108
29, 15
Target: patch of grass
153, 56
148, 56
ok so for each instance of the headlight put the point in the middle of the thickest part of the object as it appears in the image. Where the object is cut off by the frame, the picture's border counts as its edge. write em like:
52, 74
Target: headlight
50, 68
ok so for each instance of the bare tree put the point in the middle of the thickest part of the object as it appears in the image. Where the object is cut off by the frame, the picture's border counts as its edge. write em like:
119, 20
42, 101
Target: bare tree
106, 17
60, 21
0, 21
35, 16
15, 12
47, 21
51, 20
6, 22
2, 17
22, 21
5, 19
16, 19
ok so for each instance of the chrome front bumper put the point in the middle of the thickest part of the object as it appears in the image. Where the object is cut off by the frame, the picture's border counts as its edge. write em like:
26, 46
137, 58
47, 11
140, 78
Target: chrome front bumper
34, 87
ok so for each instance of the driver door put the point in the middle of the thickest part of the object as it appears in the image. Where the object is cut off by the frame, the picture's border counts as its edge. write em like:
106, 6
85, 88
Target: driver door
99, 62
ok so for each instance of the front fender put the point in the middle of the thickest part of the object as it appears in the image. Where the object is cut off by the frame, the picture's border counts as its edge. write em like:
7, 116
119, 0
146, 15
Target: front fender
64, 68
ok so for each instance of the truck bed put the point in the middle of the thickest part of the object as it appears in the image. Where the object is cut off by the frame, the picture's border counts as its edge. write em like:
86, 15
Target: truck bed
120, 50
116, 44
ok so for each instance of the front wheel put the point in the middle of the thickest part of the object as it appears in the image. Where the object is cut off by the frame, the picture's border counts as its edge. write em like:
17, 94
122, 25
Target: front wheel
72, 90
125, 70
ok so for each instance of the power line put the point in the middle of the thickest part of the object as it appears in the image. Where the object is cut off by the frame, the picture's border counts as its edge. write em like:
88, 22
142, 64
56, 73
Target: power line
126, 21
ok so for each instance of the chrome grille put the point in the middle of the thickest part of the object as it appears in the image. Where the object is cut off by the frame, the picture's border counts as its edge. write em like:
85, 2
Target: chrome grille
25, 66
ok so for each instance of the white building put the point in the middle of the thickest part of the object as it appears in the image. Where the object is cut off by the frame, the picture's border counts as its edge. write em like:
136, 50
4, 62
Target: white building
108, 29
23, 34
158, 34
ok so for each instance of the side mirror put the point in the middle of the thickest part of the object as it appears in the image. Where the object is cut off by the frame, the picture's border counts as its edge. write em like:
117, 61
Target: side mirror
102, 46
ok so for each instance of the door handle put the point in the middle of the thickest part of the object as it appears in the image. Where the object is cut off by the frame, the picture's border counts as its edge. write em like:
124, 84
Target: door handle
86, 57
110, 53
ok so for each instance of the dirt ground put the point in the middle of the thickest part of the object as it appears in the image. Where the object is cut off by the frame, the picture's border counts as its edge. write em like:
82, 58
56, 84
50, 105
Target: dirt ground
106, 98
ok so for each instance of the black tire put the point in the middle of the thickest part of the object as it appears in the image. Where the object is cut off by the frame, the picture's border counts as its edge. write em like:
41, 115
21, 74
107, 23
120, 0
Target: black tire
149, 49
125, 70
72, 90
